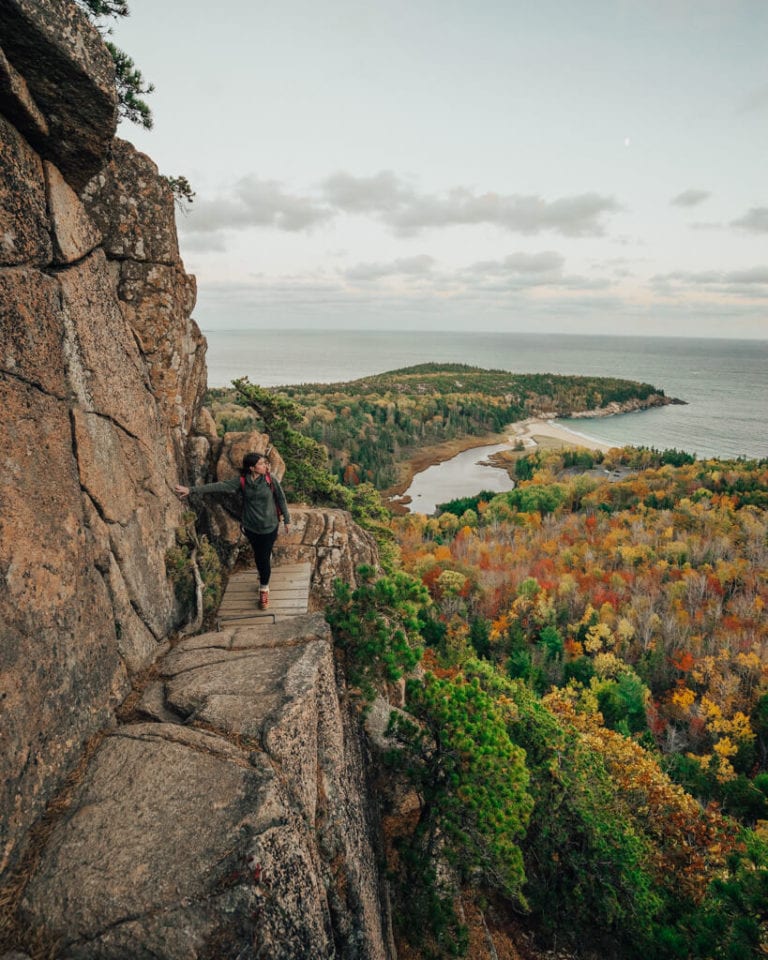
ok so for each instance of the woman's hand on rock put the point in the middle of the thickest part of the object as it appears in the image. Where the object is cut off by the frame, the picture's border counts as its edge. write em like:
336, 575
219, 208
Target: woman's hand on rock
182, 491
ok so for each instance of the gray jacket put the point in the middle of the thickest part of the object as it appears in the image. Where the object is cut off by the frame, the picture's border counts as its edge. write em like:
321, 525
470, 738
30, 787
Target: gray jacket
259, 506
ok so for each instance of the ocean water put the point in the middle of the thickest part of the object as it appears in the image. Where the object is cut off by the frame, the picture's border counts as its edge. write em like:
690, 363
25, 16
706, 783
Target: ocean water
723, 382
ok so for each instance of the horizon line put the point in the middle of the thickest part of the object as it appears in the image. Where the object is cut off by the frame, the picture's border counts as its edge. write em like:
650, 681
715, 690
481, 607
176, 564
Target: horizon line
474, 333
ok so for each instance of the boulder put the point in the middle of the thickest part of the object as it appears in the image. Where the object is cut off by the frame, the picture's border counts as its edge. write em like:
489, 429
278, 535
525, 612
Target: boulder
132, 205
234, 447
196, 855
331, 542
74, 234
69, 76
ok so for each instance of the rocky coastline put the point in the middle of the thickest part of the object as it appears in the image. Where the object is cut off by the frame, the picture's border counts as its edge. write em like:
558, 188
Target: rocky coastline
614, 409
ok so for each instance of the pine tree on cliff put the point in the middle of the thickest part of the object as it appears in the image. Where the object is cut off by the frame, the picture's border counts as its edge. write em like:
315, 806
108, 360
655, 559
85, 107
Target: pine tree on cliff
130, 83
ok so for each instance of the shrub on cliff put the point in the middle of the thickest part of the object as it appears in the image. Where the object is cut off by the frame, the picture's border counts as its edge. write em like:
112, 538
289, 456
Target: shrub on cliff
472, 784
194, 569
377, 626
471, 777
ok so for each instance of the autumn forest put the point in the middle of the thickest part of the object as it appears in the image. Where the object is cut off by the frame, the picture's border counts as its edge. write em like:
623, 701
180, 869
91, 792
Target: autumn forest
585, 668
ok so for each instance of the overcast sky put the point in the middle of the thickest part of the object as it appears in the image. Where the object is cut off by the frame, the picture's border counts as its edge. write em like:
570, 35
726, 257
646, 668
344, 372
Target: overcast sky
595, 166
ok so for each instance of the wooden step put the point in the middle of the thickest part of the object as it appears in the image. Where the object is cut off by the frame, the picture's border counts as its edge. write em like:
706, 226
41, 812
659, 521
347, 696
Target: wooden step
288, 596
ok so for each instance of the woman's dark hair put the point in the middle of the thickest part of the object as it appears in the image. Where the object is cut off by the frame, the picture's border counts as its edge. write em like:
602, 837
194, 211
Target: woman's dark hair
250, 460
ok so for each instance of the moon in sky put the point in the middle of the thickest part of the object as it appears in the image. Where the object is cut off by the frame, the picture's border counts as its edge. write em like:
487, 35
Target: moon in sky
627, 141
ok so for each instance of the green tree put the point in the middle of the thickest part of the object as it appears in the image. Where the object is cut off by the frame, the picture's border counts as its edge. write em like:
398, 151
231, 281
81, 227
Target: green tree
544, 499
377, 626
131, 88
473, 787
732, 922
480, 637
306, 461
622, 702
588, 867
129, 81
105, 8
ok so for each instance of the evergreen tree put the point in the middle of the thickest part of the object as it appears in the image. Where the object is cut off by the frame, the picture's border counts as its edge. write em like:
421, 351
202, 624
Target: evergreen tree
130, 83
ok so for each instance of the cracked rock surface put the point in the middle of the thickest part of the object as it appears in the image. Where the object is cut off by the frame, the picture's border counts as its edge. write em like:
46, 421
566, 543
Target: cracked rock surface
102, 371
237, 829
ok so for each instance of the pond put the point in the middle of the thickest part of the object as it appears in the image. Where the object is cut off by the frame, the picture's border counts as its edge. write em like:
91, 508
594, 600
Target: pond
461, 476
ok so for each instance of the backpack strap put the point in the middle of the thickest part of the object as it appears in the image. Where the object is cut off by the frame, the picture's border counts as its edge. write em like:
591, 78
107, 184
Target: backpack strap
268, 478
271, 486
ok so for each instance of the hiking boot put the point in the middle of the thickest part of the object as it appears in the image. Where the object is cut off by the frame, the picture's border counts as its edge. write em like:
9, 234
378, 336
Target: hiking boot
263, 598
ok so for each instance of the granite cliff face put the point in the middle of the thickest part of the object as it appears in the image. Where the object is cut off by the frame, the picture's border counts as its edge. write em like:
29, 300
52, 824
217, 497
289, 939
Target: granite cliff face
228, 805
101, 375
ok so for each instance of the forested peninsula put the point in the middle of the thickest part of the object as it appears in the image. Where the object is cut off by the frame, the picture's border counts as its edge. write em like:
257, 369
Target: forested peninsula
373, 425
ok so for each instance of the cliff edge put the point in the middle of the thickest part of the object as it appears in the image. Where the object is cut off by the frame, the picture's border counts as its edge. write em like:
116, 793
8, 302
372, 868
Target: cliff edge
225, 810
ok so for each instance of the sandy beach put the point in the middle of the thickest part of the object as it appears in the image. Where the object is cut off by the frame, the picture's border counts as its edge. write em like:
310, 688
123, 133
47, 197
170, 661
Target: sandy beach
532, 432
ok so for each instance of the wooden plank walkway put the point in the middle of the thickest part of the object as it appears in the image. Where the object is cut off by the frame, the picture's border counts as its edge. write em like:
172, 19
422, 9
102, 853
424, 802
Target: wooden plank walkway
288, 596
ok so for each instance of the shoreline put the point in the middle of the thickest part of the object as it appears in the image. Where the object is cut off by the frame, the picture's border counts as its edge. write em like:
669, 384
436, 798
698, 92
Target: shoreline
529, 432
438, 453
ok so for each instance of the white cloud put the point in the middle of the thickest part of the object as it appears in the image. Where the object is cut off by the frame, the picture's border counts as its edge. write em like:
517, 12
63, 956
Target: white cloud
751, 283
256, 203
548, 262
378, 194
399, 205
253, 202
754, 220
576, 216
522, 271
515, 275
417, 266
690, 198
752, 275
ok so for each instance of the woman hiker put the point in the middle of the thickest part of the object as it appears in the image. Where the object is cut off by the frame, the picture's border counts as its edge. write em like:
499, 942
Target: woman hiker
263, 507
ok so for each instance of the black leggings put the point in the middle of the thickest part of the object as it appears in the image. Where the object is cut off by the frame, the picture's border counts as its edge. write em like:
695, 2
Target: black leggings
262, 544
